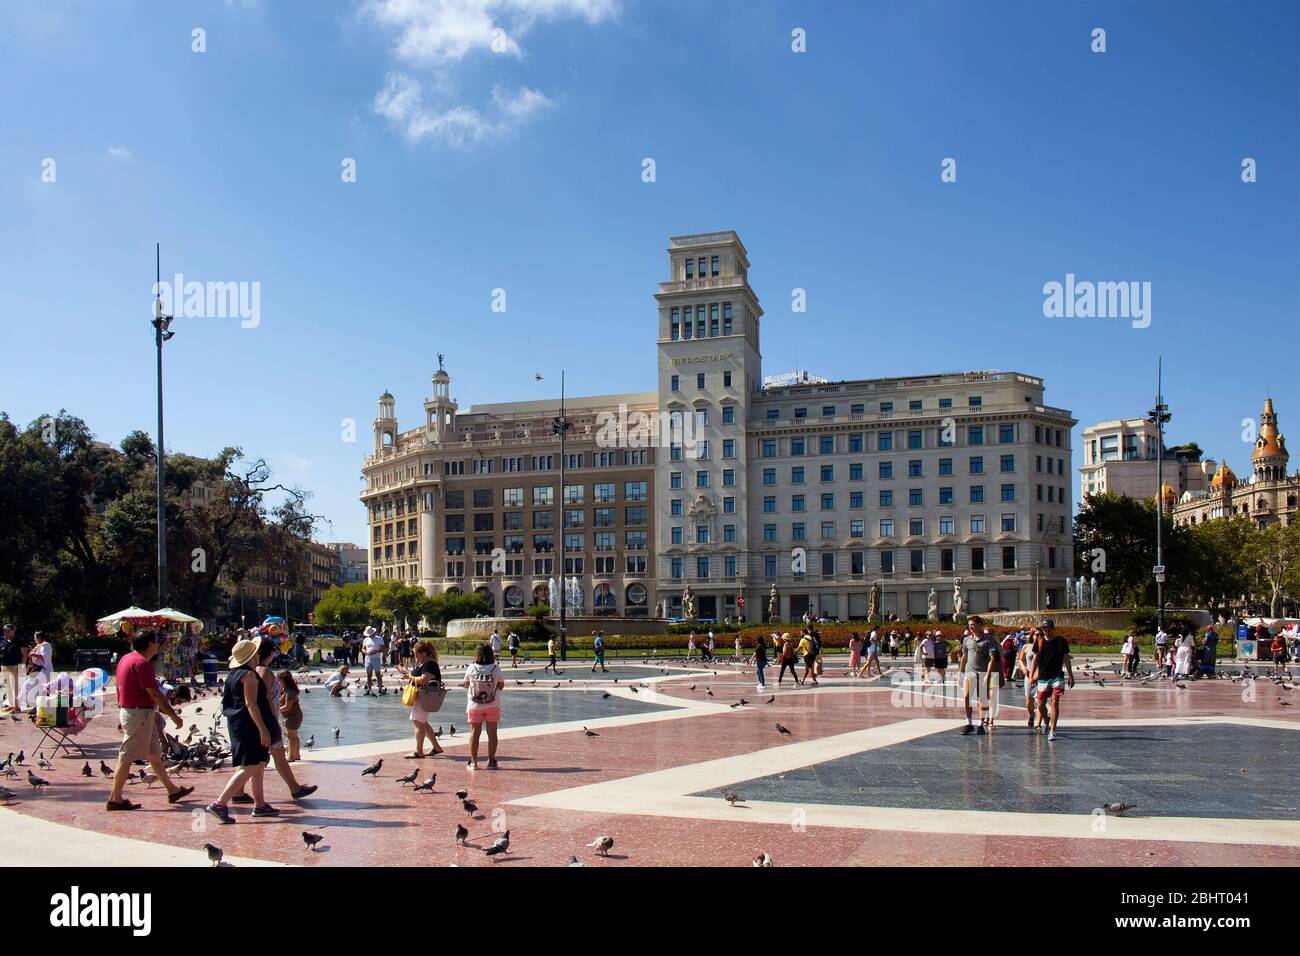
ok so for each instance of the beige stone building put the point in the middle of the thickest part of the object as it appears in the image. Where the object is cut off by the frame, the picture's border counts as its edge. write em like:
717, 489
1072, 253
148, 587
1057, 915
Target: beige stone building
473, 501
1121, 457
1266, 496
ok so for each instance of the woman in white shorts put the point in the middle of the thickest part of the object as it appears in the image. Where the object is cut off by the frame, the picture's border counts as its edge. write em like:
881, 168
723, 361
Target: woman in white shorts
425, 672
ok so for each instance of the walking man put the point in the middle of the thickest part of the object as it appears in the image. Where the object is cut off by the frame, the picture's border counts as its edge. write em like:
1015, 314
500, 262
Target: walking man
373, 648
13, 662
978, 657
139, 700
1052, 675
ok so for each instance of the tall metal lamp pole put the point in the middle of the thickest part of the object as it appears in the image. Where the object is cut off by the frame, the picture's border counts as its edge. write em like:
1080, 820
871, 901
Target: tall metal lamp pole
1158, 416
559, 426
161, 333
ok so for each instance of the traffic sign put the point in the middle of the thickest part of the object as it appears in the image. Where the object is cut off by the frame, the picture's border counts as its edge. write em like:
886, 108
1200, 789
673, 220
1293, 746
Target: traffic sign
740, 603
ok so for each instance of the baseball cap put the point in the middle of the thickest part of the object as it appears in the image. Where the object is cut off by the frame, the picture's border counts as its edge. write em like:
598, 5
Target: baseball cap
1046, 622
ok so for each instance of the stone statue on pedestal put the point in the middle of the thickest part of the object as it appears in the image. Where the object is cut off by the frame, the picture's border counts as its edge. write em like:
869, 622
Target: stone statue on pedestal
873, 601
773, 604
932, 606
688, 604
958, 601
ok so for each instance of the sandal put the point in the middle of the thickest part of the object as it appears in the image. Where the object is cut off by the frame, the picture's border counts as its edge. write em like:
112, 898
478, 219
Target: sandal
415, 756
121, 805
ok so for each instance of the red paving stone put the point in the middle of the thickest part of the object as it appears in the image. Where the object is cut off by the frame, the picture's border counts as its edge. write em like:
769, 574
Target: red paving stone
377, 821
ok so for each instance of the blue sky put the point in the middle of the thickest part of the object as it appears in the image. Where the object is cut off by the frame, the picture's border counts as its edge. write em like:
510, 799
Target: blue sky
520, 168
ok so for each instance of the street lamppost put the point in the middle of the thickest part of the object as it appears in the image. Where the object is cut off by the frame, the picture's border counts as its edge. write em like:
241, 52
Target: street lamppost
560, 425
1158, 416
161, 333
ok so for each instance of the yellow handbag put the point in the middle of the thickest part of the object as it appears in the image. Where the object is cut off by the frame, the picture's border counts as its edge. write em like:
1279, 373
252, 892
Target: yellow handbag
410, 694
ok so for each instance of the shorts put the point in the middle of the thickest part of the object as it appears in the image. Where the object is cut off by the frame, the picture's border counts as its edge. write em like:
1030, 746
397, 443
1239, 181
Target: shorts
974, 687
140, 733
1056, 685
375, 664
419, 716
483, 713
809, 660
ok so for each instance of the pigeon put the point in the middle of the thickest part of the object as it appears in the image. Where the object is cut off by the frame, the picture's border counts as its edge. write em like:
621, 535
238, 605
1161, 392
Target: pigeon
35, 781
604, 695
470, 806
7, 762
1118, 809
86, 771
21, 758
409, 778
785, 732
373, 769
574, 861
427, 784
461, 834
500, 845
633, 689
6, 795
592, 733
462, 794
732, 798
147, 778
1284, 702
311, 839
311, 742
336, 733
42, 762
762, 859
771, 700
214, 854
602, 845
451, 730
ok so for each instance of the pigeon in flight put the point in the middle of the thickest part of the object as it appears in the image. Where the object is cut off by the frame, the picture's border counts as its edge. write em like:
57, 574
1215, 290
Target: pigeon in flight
311, 839
500, 845
373, 769
602, 845
215, 854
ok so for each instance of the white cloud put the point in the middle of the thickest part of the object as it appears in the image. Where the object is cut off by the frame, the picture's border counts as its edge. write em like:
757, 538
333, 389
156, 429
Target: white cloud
120, 152
294, 462
401, 103
434, 36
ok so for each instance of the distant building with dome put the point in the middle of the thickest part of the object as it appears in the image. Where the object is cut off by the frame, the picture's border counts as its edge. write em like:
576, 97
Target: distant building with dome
1267, 496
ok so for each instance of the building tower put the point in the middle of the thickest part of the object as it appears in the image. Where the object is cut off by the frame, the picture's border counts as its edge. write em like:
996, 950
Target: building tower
440, 411
1270, 456
386, 424
709, 367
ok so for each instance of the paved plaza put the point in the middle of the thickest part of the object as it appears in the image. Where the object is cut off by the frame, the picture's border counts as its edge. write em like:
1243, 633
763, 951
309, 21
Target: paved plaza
872, 772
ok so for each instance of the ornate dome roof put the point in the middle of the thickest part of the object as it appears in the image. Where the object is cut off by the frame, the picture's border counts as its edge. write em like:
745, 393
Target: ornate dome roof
1270, 443
1167, 493
1223, 478
386, 397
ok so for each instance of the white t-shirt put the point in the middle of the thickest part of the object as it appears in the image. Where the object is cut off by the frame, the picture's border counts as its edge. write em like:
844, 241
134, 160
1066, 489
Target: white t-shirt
372, 646
496, 643
927, 648
47, 657
335, 678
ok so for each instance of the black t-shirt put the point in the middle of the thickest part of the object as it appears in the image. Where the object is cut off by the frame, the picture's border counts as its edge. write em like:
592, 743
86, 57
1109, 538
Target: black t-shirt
11, 651
1051, 658
429, 667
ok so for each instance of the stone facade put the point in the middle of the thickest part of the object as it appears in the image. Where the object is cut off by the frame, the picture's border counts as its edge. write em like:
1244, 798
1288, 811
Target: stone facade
821, 488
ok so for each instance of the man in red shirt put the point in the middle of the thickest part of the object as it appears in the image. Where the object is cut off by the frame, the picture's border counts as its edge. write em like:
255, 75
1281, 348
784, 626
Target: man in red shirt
138, 701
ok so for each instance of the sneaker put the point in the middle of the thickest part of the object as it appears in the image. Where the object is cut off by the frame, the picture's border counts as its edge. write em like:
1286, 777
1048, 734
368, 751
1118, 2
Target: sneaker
492, 765
302, 792
968, 729
241, 798
220, 812
265, 810
1052, 735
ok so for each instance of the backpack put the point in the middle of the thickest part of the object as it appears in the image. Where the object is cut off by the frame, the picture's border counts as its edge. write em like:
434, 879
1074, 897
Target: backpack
483, 686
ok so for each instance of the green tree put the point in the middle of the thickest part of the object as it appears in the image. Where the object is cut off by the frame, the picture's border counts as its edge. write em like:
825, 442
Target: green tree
347, 606
1275, 550
438, 609
1125, 530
